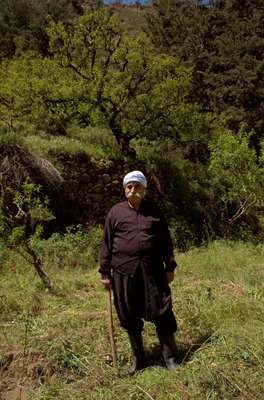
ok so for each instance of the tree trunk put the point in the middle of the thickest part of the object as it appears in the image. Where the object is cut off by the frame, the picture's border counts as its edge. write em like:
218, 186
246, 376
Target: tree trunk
42, 274
124, 144
39, 269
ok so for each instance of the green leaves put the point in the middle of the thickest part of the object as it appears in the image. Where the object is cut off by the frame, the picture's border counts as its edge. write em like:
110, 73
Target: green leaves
23, 23
235, 173
125, 86
22, 213
86, 44
31, 97
98, 76
224, 45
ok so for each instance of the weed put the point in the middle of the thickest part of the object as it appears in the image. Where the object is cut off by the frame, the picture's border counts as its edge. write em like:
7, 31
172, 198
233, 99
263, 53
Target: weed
218, 302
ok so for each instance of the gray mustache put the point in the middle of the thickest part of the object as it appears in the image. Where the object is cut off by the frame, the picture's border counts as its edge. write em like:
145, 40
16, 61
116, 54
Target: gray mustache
134, 194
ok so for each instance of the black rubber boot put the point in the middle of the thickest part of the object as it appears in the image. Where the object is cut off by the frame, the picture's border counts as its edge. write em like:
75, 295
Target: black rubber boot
138, 354
168, 348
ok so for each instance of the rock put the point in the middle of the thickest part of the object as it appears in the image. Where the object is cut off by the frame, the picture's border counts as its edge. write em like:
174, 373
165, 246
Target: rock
116, 183
106, 178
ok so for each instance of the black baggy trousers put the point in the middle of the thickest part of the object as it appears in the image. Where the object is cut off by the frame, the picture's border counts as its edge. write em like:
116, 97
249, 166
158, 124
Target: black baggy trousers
144, 296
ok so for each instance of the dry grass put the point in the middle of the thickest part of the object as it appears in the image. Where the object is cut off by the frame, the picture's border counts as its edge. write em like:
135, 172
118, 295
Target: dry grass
56, 346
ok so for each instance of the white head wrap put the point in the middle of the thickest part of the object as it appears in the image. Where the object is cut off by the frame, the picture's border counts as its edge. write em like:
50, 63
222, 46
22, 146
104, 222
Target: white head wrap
135, 176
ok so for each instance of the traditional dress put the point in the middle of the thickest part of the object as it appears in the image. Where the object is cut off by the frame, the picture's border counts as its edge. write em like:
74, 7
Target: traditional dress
136, 245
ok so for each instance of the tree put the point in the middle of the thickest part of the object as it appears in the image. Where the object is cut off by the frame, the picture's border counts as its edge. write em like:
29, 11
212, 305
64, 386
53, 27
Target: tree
22, 214
176, 27
117, 80
100, 76
236, 177
224, 44
35, 95
23, 23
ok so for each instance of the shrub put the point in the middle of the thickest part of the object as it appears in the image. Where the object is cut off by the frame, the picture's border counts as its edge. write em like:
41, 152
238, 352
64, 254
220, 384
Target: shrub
77, 247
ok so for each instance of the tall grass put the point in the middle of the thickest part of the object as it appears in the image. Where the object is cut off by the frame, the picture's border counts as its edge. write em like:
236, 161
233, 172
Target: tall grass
96, 142
77, 247
219, 303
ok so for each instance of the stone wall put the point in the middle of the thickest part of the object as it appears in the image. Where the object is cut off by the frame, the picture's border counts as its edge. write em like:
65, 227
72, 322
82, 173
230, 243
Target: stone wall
81, 189
90, 188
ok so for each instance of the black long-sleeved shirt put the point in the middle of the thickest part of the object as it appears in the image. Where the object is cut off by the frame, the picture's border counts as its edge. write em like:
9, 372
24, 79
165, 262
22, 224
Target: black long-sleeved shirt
131, 235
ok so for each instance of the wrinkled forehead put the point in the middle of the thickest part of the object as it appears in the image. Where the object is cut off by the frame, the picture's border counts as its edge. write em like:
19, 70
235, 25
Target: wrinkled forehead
134, 184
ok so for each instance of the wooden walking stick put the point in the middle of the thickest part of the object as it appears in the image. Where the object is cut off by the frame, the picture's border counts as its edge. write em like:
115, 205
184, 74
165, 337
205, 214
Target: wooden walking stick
111, 327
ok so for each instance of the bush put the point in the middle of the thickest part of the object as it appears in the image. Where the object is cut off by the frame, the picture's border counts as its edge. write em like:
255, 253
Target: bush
182, 234
9, 138
96, 142
77, 247
100, 141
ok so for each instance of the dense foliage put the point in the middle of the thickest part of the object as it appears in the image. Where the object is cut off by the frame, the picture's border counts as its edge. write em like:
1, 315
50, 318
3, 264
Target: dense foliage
184, 98
22, 215
224, 43
23, 23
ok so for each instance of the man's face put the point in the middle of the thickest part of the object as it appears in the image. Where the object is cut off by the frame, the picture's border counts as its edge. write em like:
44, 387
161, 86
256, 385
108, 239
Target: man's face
134, 189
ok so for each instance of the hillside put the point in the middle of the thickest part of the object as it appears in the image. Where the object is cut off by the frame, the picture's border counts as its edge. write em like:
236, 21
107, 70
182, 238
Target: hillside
92, 96
174, 90
56, 346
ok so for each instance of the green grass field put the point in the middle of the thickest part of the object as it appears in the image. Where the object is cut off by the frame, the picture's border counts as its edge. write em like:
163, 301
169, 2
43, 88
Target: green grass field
56, 346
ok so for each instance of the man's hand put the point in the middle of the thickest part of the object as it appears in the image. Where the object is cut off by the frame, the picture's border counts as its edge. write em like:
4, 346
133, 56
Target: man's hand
106, 282
170, 277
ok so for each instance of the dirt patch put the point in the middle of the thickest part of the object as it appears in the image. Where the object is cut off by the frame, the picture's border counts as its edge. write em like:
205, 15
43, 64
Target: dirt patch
234, 289
221, 287
17, 393
20, 372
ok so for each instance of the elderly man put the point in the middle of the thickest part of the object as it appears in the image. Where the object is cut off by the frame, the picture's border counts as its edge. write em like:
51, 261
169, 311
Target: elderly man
135, 248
